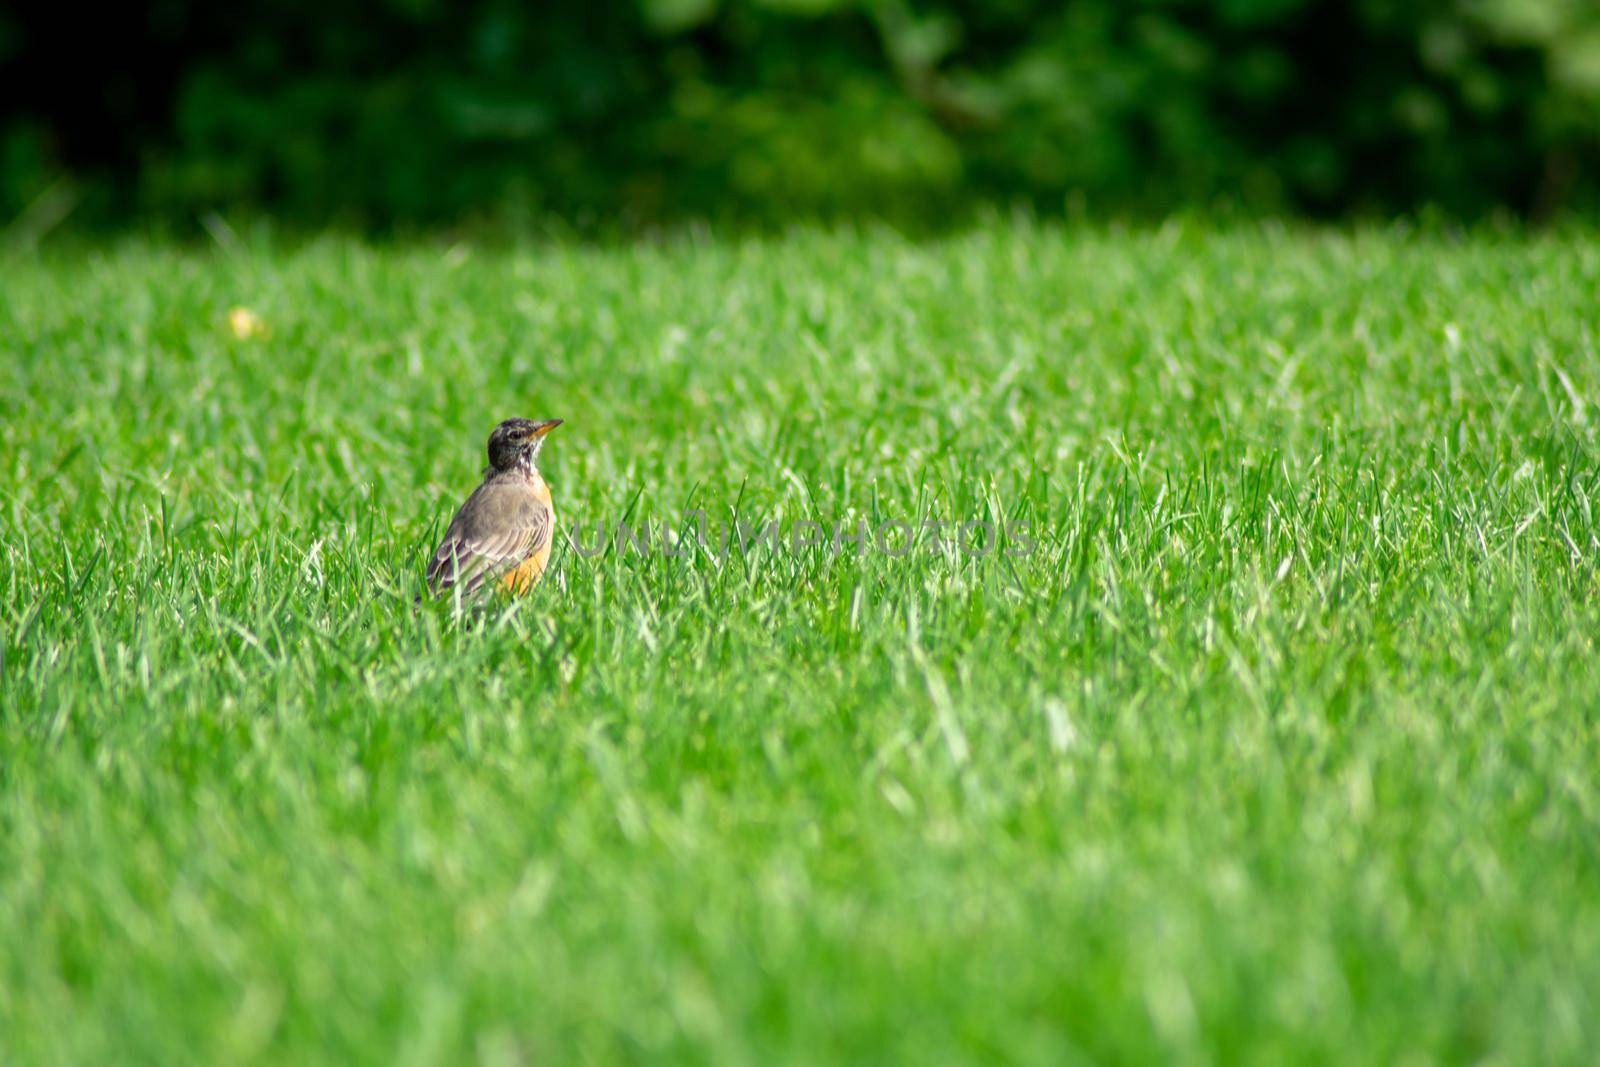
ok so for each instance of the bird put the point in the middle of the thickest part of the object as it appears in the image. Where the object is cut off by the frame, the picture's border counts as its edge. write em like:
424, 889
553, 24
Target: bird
501, 536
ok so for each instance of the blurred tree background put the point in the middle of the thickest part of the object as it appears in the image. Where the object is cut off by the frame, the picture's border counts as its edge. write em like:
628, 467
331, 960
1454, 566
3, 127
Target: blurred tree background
421, 112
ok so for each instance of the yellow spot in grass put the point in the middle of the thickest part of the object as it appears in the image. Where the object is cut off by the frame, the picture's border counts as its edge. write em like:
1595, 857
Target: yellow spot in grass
246, 324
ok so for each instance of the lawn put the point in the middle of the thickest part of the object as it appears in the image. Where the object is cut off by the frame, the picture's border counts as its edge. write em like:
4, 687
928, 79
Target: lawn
1268, 733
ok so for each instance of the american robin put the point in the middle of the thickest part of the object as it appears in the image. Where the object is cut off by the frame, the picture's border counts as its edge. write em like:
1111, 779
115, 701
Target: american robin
502, 534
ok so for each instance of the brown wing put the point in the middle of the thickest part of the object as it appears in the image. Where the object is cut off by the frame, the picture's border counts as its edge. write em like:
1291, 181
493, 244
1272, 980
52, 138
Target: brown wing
500, 526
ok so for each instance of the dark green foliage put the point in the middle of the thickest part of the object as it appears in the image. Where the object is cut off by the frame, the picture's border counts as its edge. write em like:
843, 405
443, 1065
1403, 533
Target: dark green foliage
420, 111
425, 111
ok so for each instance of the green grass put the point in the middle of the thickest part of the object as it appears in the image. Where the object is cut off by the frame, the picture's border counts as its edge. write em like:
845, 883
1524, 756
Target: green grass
1281, 746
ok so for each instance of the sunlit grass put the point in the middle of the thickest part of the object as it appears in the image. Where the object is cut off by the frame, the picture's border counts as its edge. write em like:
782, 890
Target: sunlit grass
1278, 746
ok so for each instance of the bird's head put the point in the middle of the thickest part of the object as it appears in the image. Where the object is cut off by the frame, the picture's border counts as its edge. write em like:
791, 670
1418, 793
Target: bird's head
515, 442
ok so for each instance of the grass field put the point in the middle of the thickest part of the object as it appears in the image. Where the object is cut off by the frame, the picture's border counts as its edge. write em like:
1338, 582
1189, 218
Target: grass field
1280, 745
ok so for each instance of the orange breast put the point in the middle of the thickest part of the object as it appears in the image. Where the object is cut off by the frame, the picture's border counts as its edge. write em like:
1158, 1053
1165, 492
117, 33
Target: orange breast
525, 575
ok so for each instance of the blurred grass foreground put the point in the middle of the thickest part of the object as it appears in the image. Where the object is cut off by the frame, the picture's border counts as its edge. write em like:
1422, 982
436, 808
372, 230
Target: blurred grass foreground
416, 112
1278, 748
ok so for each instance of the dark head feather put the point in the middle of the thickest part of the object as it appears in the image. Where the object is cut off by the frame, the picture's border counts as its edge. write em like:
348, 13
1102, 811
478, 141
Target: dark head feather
515, 442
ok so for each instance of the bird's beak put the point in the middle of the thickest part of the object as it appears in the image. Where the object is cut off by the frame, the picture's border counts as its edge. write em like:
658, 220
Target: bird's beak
546, 426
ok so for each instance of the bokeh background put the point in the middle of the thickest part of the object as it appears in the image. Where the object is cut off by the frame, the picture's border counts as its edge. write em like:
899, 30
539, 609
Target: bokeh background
402, 113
